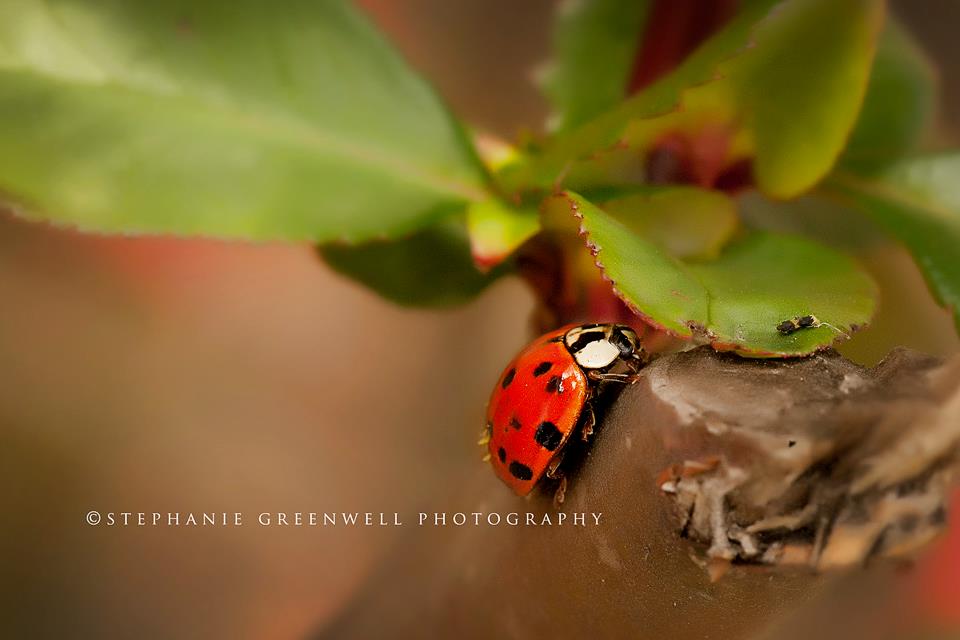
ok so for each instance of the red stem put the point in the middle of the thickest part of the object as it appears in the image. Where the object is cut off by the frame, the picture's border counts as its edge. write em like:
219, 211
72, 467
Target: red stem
673, 30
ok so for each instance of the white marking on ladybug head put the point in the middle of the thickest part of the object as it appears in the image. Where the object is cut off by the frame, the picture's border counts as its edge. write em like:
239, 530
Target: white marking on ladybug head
597, 354
597, 346
578, 336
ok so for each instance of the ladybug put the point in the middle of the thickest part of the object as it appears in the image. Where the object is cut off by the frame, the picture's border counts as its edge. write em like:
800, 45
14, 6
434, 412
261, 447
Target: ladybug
544, 396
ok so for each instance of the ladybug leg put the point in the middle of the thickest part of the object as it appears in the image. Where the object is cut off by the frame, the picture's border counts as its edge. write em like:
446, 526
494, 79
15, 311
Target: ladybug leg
560, 493
625, 378
589, 422
634, 365
485, 439
637, 362
554, 473
553, 469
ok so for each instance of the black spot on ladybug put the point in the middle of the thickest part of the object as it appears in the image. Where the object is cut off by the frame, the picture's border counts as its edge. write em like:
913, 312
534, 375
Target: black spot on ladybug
507, 379
520, 471
502, 454
548, 436
542, 368
555, 385
515, 423
806, 321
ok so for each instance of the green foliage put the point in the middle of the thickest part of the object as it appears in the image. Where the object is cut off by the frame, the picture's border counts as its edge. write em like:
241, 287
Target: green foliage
788, 102
431, 268
801, 90
899, 105
595, 42
737, 300
582, 144
241, 119
297, 121
918, 202
497, 229
686, 222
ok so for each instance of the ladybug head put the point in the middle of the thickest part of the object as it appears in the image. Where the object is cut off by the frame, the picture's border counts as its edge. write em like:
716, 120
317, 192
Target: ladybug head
598, 346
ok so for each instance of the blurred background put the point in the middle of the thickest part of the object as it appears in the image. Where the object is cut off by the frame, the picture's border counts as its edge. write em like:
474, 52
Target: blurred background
175, 375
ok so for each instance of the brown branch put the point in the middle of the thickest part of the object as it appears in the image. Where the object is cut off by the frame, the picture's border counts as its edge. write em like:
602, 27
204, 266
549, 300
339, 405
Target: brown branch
731, 492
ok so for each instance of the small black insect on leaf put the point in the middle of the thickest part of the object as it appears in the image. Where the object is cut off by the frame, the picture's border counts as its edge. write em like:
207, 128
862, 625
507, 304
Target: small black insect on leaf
796, 323
787, 327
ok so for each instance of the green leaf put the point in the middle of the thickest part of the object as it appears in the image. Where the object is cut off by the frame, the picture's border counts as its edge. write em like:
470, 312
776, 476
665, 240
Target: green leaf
543, 168
918, 202
686, 222
431, 268
765, 279
803, 90
899, 106
496, 230
788, 104
595, 42
813, 216
244, 119
736, 301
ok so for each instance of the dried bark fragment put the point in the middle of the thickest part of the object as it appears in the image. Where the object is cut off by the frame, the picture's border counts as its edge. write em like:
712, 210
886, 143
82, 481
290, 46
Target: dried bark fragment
816, 462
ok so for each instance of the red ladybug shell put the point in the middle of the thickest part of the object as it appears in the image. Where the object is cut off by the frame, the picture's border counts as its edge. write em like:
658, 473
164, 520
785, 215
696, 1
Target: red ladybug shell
533, 410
